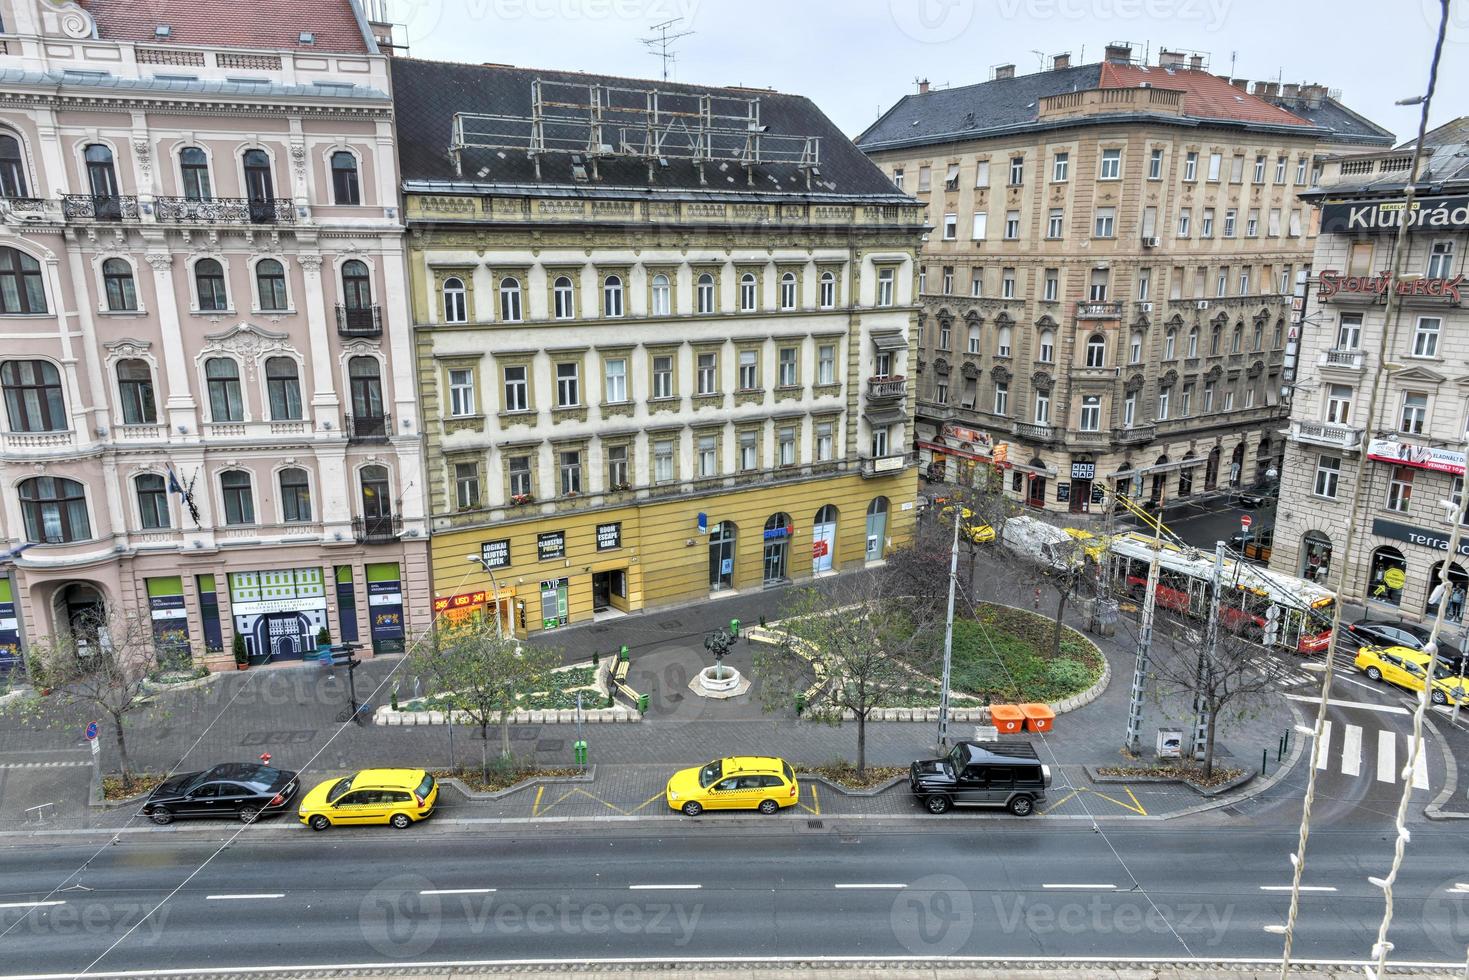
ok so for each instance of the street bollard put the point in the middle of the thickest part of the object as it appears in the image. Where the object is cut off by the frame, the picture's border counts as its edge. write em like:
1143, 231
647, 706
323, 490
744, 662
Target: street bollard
579, 751
1264, 759
642, 704
800, 702
734, 629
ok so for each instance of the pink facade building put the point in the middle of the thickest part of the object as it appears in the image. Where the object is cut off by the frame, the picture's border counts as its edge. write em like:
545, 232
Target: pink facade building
209, 410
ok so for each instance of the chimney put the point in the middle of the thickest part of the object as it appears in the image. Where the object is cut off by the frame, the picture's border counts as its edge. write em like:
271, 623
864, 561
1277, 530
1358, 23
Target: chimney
1313, 94
923, 86
1272, 90
1170, 59
1119, 54
1196, 62
1004, 71
1062, 60
1290, 90
1243, 84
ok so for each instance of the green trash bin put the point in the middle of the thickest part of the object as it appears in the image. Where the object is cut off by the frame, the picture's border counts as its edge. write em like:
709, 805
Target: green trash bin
579, 751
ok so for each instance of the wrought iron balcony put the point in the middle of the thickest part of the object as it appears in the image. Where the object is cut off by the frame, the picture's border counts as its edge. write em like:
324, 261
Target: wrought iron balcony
887, 388
359, 321
116, 207
226, 210
369, 428
382, 529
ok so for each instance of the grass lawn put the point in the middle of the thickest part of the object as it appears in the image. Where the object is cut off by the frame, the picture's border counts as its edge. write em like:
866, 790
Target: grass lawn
1004, 655
561, 687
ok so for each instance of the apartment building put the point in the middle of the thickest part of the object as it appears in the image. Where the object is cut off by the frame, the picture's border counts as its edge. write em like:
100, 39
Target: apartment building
209, 405
662, 335
1391, 555
1107, 279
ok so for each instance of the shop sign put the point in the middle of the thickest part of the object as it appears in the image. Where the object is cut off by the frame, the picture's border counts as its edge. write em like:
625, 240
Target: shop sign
1334, 282
551, 544
1083, 471
461, 601
975, 438
164, 607
267, 606
819, 549
1434, 458
609, 536
779, 533
1431, 213
1063, 492
1422, 537
385, 609
496, 554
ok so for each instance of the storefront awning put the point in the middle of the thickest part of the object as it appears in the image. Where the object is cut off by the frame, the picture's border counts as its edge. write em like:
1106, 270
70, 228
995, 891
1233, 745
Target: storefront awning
888, 415
889, 340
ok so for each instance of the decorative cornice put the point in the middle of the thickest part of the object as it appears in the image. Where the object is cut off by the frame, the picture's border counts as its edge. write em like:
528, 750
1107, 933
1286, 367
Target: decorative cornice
246, 329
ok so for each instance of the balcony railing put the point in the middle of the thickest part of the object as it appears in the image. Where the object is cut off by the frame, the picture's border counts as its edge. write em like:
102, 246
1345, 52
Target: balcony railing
46, 443
1090, 310
359, 321
889, 387
1347, 360
117, 207
29, 208
1088, 437
382, 529
226, 210
1035, 432
369, 428
1326, 434
1134, 436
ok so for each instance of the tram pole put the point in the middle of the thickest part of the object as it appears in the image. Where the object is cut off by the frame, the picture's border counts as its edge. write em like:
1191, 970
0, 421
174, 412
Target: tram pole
1145, 639
1206, 656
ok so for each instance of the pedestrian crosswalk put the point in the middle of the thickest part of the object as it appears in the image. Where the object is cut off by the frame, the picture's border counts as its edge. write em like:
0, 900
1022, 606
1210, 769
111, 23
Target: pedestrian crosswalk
1342, 750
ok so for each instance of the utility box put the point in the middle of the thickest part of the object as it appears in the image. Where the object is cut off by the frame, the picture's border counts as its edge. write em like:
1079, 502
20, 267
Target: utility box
1170, 743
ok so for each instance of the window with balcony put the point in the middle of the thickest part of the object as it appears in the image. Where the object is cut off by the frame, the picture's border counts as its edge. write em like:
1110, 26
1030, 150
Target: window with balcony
517, 388
1425, 336
1400, 489
455, 307
346, 188
295, 496
1129, 409
1091, 413
707, 374
152, 495
462, 401
615, 380
612, 296
662, 295
510, 307
1096, 351
259, 187
748, 292
828, 298
102, 182
563, 298
209, 284
568, 384
239, 498
1339, 404
1042, 408
135, 392
194, 172
569, 467
12, 168
283, 387
466, 485
222, 378
54, 510
365, 385
1414, 416
117, 282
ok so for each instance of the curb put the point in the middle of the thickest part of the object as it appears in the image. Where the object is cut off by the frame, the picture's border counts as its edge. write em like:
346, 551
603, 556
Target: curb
1435, 810
155, 687
1209, 791
485, 796
877, 790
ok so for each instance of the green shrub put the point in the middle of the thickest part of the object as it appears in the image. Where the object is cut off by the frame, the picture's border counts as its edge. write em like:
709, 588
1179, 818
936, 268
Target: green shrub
1069, 675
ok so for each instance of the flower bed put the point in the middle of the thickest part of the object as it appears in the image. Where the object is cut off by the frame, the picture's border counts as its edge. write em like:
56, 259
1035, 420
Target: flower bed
563, 685
1003, 656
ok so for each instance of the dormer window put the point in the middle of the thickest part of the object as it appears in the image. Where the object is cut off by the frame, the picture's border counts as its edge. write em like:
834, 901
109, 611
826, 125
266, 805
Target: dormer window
162, 30
306, 37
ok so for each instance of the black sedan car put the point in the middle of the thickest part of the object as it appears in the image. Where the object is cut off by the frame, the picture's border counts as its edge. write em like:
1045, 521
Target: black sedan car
244, 791
1386, 633
1260, 495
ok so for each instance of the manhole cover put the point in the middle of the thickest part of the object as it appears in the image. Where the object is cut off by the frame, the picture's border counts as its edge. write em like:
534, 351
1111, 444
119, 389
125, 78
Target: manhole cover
550, 745
1233, 811
670, 624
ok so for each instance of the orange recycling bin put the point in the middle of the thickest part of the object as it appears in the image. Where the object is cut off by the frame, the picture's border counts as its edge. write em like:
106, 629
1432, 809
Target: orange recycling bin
1007, 718
1038, 717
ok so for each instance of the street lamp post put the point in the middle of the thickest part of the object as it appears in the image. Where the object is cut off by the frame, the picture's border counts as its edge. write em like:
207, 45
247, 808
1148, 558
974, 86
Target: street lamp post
494, 589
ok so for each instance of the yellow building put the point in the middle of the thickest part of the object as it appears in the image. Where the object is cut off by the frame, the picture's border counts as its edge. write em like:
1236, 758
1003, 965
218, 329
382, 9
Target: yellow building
663, 337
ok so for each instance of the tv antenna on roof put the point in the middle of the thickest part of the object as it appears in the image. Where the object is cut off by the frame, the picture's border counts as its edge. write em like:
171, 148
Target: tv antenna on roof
658, 45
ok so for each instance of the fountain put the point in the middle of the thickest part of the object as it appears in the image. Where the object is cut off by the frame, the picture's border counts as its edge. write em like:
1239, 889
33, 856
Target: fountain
720, 681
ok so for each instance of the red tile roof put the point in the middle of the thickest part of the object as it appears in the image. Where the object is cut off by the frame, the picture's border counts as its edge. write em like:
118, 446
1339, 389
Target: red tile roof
1206, 96
268, 24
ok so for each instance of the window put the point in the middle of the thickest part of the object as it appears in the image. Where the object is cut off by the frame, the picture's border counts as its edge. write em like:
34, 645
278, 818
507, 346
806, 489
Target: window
663, 461
1425, 336
981, 226
662, 295
883, 364
1216, 161
785, 441
824, 442
455, 308
1096, 351
749, 371
1184, 216
708, 456
1051, 285
283, 389
1193, 342
786, 376
510, 300
1280, 170
194, 169
1260, 168
898, 178
1237, 339
747, 292
1221, 284
296, 496
1106, 223
826, 364
1272, 227
1056, 223
569, 466
1111, 165
1191, 166
135, 391
1441, 260
1415, 413
1252, 223
1002, 398
54, 510
356, 286
1295, 222
1042, 408
982, 173
1135, 348
466, 485
209, 281
1208, 396
1129, 409
1012, 225
1060, 164
707, 375
974, 338
879, 441
239, 499
1007, 283
951, 227
1244, 284
749, 451
1046, 347
615, 380
12, 168
568, 384
1017, 171
117, 281
617, 478
1144, 284
1301, 170
152, 495
1259, 337
1206, 228
922, 280
259, 188
1216, 340
1185, 401
365, 382
517, 389
976, 282
1097, 291
519, 469
222, 376
1231, 216
1164, 396
1385, 576
270, 284
563, 298
1285, 279
1002, 342
1091, 413
1339, 404
461, 392
885, 287
1328, 473
925, 179
612, 296
948, 280
346, 189
663, 376
788, 291
1237, 168
828, 297
102, 181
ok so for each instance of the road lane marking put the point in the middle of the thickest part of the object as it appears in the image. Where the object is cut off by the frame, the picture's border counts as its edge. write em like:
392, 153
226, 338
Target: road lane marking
1388, 709
870, 884
31, 905
1079, 887
1304, 888
650, 888
1351, 753
456, 891
1323, 751
1420, 769
236, 898
1387, 754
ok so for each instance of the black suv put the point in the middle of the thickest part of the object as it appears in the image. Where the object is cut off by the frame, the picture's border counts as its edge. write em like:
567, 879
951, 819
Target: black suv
1385, 633
999, 774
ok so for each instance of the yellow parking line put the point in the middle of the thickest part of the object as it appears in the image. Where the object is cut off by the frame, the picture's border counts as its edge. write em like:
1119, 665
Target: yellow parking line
1135, 801
1061, 801
816, 799
655, 796
536, 806
1135, 807
815, 806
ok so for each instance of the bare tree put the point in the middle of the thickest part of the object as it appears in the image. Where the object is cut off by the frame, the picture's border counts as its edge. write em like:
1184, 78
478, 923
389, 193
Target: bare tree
864, 650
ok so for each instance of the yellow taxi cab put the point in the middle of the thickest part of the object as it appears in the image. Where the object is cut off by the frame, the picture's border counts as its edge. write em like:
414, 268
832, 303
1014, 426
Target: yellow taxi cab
976, 530
400, 797
745, 782
1405, 668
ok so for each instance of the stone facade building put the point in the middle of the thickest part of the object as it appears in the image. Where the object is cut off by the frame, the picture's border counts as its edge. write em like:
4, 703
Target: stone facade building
1107, 277
1415, 440
650, 373
209, 407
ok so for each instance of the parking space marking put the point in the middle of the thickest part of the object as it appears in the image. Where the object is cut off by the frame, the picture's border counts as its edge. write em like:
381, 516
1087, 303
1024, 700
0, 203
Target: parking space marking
1061, 801
31, 905
815, 807
652, 888
888, 885
535, 807
1136, 806
457, 891
241, 898
1079, 887
656, 796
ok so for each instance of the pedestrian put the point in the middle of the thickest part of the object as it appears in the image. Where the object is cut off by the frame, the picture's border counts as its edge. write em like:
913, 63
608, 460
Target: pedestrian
1456, 603
1435, 597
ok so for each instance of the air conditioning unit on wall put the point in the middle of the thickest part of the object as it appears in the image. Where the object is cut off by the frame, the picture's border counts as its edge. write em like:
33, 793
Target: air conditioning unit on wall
1151, 243
1202, 304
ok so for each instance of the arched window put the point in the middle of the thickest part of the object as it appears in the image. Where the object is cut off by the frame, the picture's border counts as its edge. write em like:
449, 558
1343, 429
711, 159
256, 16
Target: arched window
828, 290
346, 189
1193, 342
1170, 344
1091, 413
194, 170
1135, 348
209, 282
747, 292
1216, 340
1002, 342
1160, 476
356, 285
135, 391
239, 498
788, 291
1186, 476
1386, 576
259, 187
12, 167
705, 293
1237, 343
564, 296
510, 300
455, 308
33, 401
117, 283
102, 180
1096, 351
284, 388
152, 494
54, 510
21, 290
612, 296
1315, 555
222, 376
367, 388
1259, 336
1451, 596
270, 284
778, 532
295, 496
662, 296
377, 501
1047, 347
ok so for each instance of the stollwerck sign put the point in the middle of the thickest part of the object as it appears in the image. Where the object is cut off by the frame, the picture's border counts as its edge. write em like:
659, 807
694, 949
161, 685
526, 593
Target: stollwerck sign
1440, 460
1334, 282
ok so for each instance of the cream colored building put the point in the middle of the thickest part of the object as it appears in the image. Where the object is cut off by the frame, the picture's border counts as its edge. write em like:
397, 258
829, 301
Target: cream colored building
1106, 282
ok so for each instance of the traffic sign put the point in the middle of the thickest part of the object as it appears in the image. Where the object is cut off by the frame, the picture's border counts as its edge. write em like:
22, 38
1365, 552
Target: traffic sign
1245, 520
91, 731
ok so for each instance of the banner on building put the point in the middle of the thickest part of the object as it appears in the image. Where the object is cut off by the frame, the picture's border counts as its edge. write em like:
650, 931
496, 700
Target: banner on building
1438, 459
1426, 214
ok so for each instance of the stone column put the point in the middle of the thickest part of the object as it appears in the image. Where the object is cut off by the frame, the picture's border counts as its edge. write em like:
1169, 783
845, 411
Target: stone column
325, 404
179, 403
